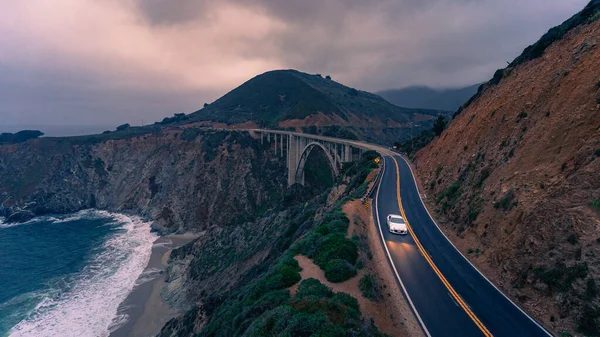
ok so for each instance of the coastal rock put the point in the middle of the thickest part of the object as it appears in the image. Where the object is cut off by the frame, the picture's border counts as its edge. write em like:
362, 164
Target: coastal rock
20, 216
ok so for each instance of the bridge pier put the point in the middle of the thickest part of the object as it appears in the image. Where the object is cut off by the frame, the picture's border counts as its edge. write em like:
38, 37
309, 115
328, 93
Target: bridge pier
298, 146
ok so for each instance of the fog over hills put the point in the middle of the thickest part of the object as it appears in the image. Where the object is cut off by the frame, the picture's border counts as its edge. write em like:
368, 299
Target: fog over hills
422, 97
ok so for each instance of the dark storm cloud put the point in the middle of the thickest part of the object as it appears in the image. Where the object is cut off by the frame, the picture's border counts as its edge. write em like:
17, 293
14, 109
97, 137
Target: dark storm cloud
118, 61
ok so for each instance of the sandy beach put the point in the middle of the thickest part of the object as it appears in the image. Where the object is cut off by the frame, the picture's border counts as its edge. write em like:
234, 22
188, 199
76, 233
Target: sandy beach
144, 309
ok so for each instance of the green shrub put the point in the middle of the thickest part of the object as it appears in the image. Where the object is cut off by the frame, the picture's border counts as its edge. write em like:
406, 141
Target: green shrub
305, 324
347, 300
335, 246
573, 239
369, 287
123, 127
485, 173
289, 276
507, 201
312, 288
451, 193
438, 170
560, 277
591, 288
587, 322
597, 152
190, 134
338, 270
270, 301
595, 205
21, 136
338, 226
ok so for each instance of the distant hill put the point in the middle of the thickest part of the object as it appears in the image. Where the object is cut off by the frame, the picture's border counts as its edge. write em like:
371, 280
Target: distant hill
310, 103
428, 98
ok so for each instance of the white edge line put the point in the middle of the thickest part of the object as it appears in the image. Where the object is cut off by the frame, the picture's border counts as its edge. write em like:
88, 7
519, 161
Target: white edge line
390, 257
472, 265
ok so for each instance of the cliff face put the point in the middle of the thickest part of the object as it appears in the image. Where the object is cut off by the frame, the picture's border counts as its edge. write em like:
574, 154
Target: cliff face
515, 180
186, 182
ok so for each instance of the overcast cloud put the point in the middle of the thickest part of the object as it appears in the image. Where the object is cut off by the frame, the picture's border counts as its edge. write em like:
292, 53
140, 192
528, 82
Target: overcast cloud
83, 62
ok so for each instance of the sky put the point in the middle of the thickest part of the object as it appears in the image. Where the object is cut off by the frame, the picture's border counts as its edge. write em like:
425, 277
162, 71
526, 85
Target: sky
102, 63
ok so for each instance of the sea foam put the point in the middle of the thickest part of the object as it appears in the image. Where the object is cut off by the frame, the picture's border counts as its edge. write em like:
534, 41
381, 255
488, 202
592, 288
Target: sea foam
89, 306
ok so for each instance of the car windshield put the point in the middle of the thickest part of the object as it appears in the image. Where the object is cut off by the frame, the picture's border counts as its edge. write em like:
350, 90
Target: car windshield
396, 220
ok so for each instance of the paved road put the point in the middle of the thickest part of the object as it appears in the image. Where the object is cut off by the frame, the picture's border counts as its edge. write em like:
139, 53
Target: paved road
450, 297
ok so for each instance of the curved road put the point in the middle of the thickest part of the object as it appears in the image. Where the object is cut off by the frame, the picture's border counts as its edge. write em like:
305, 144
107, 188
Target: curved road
448, 295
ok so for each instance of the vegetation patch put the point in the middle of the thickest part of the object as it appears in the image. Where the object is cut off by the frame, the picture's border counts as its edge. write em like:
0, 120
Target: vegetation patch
339, 270
560, 277
595, 205
190, 134
370, 288
507, 202
19, 137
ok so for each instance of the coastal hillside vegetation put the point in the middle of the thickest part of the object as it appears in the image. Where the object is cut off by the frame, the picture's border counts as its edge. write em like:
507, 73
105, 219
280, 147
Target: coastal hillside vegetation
261, 303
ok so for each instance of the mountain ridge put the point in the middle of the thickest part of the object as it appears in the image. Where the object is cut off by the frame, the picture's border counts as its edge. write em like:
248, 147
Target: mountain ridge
425, 97
289, 99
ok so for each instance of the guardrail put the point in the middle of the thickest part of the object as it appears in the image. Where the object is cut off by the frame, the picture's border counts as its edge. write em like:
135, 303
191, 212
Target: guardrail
375, 184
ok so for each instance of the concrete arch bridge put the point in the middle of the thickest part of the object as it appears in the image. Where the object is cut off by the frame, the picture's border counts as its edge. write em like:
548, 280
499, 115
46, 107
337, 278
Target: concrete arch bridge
296, 147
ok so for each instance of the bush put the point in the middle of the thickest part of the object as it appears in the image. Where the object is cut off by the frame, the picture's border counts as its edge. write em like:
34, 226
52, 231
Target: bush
338, 270
123, 127
560, 277
595, 205
587, 322
507, 201
335, 246
312, 288
270, 300
597, 152
190, 134
591, 289
369, 287
346, 300
21, 136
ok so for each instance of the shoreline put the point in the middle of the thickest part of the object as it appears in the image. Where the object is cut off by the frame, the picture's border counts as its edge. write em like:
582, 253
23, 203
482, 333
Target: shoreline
144, 310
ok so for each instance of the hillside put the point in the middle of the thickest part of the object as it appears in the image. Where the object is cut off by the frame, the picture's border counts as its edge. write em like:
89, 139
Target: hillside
429, 98
515, 179
295, 100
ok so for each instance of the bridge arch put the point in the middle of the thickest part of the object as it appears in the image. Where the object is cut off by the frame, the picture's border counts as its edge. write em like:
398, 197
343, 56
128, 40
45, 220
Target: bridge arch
299, 174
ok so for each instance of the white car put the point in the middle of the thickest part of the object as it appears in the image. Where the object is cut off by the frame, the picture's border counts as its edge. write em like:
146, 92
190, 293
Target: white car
396, 224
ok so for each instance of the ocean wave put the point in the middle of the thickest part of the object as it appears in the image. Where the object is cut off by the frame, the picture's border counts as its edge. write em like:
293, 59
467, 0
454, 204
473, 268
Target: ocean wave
87, 305
88, 214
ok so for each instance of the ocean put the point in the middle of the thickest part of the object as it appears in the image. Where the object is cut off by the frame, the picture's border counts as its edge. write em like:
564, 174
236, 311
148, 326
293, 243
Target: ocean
67, 275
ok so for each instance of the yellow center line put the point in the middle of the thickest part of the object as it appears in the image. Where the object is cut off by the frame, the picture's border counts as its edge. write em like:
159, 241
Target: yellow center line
454, 294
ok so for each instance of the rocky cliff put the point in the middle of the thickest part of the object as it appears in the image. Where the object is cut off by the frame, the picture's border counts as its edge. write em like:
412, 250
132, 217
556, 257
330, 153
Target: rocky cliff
183, 179
515, 179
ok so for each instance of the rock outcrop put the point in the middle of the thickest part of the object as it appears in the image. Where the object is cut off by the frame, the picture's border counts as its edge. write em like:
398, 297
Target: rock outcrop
182, 184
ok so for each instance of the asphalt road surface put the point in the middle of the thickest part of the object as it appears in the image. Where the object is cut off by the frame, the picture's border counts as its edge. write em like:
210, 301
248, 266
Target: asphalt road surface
448, 295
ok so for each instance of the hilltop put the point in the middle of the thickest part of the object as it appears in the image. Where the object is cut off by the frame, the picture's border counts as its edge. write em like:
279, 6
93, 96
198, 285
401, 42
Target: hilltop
514, 179
428, 98
296, 100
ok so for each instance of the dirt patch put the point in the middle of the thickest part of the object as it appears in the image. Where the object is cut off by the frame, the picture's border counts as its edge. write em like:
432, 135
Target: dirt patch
391, 314
403, 322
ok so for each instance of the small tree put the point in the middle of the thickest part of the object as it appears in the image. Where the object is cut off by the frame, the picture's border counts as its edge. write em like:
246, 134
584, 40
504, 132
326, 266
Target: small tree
123, 127
328, 77
206, 104
439, 125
